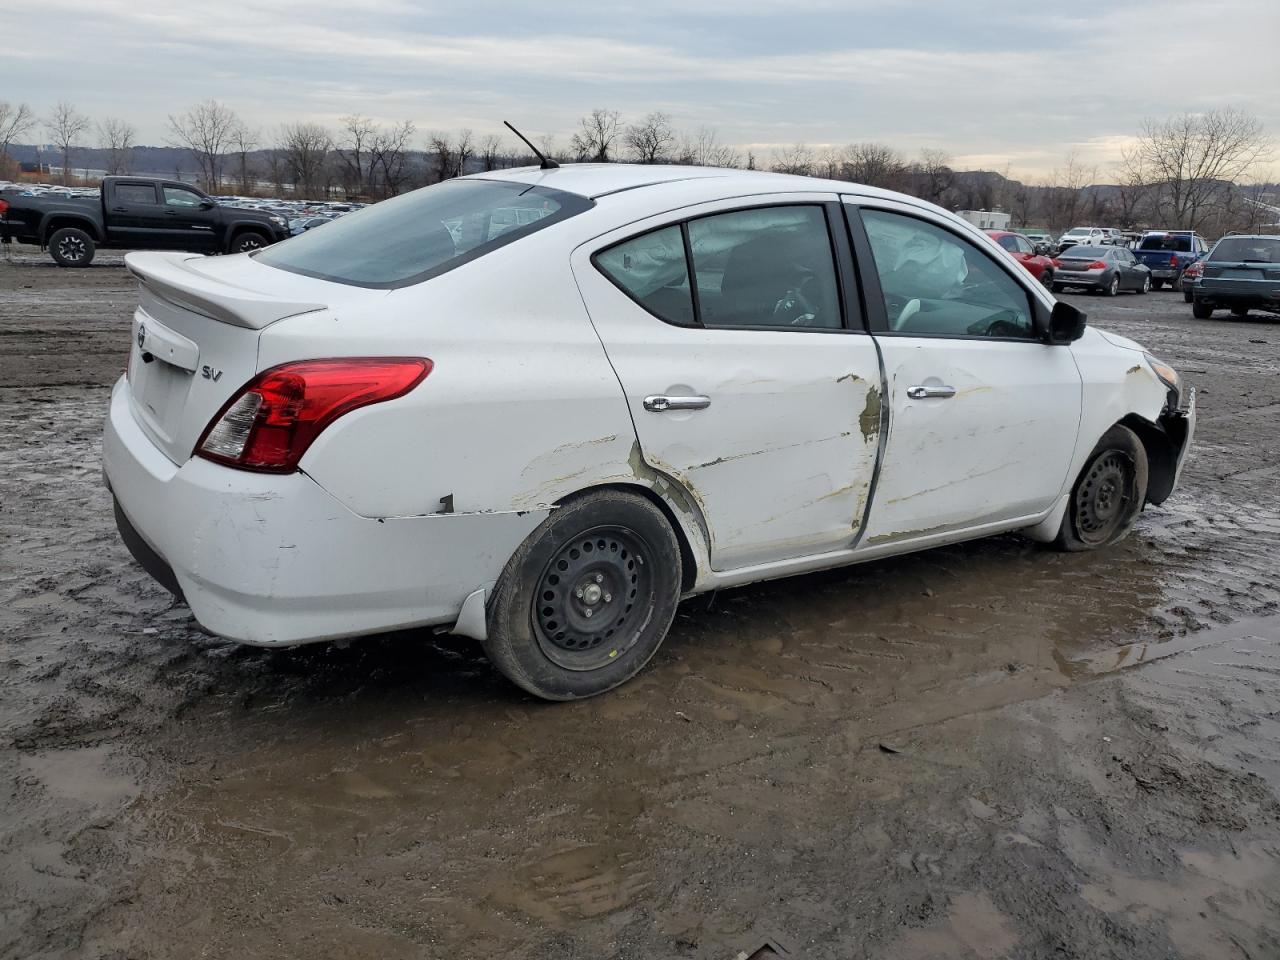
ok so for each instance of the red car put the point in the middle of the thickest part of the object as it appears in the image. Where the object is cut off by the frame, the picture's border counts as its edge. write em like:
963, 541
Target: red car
1022, 250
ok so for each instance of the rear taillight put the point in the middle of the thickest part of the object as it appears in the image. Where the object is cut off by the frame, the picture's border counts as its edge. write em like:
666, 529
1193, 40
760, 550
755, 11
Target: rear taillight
4, 207
1194, 270
1173, 259
272, 420
1096, 265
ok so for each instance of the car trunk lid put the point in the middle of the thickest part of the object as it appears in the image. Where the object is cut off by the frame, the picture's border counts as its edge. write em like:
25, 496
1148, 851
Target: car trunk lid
194, 339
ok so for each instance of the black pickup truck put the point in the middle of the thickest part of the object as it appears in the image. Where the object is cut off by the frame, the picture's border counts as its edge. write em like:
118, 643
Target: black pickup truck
135, 213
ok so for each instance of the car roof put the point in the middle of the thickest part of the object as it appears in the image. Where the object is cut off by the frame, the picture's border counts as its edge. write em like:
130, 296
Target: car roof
596, 180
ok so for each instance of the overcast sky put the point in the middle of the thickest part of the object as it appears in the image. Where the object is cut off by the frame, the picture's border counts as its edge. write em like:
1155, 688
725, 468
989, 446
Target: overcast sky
994, 84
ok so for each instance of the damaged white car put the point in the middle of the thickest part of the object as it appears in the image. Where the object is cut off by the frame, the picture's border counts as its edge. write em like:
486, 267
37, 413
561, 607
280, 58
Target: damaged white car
538, 407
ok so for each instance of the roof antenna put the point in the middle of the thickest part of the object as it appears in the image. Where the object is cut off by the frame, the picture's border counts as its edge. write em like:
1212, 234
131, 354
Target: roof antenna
545, 164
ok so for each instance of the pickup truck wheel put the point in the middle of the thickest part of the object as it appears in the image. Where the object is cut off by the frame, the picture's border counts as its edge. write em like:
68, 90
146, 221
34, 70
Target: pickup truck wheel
587, 599
244, 242
1108, 495
71, 247
1201, 311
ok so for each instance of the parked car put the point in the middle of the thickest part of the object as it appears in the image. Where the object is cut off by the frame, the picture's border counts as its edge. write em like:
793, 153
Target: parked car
1107, 270
1241, 273
135, 213
1042, 242
1114, 237
303, 224
1168, 253
1082, 236
1022, 250
1189, 277
545, 433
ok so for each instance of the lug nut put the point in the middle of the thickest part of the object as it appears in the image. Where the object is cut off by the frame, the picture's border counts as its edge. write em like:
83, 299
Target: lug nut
599, 578
587, 611
578, 593
608, 598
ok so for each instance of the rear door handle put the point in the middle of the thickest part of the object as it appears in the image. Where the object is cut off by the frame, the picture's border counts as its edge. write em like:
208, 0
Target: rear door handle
660, 404
930, 393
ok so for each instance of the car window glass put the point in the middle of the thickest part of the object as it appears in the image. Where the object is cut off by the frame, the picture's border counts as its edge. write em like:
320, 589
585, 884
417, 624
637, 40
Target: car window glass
769, 267
1024, 245
135, 193
1009, 242
936, 283
651, 269
420, 235
178, 197
1248, 250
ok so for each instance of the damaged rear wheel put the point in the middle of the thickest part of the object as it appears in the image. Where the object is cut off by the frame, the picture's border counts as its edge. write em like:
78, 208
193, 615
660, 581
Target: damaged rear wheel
587, 599
1108, 495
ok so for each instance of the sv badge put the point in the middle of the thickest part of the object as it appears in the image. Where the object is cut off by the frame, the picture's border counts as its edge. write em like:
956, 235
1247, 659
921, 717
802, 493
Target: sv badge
209, 373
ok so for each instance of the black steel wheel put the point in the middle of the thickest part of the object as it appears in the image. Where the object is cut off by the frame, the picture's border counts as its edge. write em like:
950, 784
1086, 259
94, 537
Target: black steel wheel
587, 599
1109, 494
71, 247
587, 593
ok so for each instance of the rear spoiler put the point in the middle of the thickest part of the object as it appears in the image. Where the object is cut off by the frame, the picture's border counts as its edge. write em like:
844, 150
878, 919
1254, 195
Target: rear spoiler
171, 276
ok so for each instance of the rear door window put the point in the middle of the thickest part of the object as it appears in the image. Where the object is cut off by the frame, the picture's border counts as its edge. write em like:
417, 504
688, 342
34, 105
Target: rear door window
419, 235
136, 192
651, 269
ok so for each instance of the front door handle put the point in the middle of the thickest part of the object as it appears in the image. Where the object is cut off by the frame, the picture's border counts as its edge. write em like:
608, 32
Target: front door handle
930, 393
659, 404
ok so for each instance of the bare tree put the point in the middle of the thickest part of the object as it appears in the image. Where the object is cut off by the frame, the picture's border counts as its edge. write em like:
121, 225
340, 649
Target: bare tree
796, 159
305, 151
875, 165
389, 158
66, 126
207, 130
116, 137
596, 135
932, 175
490, 152
15, 120
244, 140
704, 149
651, 139
1064, 193
354, 139
1188, 159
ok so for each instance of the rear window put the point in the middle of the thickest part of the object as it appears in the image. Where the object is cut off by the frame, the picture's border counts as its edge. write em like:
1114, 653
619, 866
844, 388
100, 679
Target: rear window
1167, 241
1247, 250
1077, 252
423, 234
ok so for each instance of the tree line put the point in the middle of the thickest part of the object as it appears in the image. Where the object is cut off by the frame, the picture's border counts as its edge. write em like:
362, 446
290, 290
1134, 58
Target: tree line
1194, 171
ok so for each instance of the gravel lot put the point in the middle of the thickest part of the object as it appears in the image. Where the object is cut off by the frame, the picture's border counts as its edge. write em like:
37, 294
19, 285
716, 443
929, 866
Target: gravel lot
944, 755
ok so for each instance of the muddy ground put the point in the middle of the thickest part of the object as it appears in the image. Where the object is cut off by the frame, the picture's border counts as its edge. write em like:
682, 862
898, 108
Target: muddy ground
991, 750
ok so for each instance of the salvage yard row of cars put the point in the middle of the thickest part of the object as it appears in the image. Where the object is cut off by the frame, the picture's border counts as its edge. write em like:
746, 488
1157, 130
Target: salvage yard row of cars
539, 407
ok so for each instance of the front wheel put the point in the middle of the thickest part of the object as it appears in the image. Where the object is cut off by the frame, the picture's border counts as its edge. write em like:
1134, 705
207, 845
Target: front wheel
1201, 311
1108, 495
1046, 279
71, 247
587, 599
245, 242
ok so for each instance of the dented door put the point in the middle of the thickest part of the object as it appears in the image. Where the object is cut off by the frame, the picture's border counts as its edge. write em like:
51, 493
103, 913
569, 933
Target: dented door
983, 416
772, 426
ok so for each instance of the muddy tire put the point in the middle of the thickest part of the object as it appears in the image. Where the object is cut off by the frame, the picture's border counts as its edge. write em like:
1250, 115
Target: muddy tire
1201, 311
588, 598
71, 247
1108, 495
247, 241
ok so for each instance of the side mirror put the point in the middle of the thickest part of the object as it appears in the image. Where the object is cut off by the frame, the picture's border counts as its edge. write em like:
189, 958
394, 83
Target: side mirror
1066, 324
207, 204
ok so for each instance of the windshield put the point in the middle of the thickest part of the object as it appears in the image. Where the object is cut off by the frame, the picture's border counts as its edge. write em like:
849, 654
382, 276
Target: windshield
423, 234
1248, 249
1178, 243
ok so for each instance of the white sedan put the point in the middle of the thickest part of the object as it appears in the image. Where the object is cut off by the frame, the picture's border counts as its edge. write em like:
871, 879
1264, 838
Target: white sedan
538, 407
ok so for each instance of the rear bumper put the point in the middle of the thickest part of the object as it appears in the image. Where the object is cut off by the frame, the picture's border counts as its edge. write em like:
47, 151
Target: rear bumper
276, 560
1238, 293
1071, 279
